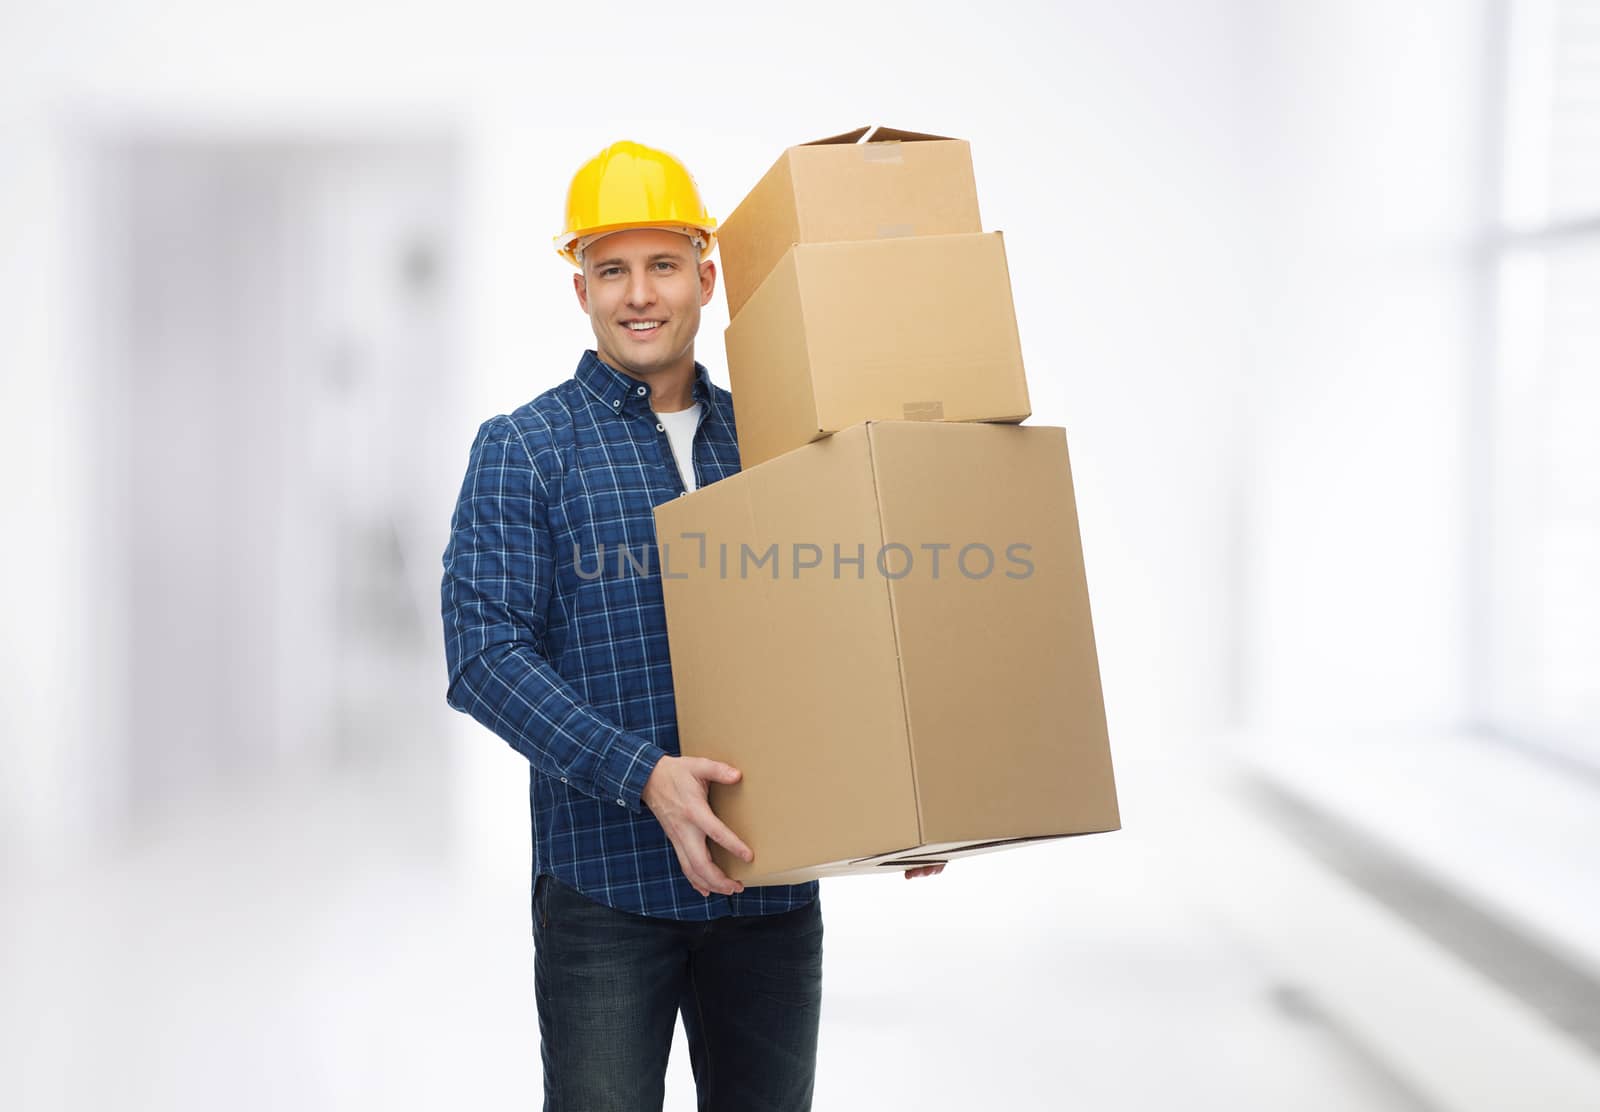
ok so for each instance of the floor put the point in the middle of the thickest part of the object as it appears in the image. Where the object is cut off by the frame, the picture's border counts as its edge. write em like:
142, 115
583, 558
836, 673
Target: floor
361, 940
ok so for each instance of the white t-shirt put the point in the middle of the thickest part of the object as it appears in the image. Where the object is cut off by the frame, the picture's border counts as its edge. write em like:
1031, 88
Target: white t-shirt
680, 431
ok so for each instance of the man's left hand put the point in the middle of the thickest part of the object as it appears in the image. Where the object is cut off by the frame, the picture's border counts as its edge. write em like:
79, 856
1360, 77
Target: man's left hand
925, 870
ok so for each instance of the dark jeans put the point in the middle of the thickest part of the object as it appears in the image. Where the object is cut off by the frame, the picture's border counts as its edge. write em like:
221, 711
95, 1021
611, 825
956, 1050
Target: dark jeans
610, 986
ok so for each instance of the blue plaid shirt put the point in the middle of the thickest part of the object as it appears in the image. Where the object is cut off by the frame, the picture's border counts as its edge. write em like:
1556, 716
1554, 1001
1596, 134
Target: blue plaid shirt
569, 667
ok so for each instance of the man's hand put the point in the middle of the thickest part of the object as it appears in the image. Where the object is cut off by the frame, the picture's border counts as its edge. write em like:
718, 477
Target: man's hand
925, 870
676, 795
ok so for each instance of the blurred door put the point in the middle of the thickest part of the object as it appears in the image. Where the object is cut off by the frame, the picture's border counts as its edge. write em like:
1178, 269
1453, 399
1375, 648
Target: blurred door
277, 352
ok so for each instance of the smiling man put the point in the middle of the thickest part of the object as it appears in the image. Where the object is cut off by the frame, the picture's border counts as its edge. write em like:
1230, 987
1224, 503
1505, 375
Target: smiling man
633, 922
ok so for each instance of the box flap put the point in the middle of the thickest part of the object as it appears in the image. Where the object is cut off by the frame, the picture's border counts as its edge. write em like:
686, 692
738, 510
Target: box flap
877, 133
847, 137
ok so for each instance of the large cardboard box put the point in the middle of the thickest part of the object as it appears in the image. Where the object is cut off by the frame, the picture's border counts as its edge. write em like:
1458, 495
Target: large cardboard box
894, 329
888, 632
865, 184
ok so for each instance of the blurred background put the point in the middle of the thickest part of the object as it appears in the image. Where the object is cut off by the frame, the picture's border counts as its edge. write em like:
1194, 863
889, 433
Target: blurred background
1314, 287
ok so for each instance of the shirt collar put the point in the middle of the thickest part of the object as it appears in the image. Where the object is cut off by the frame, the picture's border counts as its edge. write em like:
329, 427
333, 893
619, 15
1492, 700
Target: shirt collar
617, 391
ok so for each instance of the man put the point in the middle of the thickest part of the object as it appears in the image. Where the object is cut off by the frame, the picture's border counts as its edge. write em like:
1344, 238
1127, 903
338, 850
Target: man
633, 922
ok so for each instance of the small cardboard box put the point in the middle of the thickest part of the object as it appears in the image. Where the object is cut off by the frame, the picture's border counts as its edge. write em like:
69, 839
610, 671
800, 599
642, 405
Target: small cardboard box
894, 329
888, 632
865, 184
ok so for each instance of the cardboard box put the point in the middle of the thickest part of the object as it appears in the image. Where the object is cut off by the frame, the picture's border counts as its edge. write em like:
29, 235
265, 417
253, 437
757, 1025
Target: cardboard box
894, 329
896, 183
928, 703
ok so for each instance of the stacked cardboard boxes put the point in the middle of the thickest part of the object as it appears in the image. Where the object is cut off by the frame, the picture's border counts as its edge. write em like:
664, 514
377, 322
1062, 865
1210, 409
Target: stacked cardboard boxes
861, 286
883, 621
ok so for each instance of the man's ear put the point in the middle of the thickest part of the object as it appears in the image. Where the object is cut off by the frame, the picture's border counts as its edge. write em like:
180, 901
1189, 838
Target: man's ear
708, 281
582, 290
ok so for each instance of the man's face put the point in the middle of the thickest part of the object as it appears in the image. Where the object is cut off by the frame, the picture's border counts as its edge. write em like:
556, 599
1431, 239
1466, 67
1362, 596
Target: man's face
643, 290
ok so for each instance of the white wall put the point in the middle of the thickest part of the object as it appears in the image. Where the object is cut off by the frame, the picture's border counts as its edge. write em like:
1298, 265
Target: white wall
1107, 146
1370, 131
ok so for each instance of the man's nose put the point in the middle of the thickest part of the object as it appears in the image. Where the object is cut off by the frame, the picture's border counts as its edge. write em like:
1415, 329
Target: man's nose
641, 291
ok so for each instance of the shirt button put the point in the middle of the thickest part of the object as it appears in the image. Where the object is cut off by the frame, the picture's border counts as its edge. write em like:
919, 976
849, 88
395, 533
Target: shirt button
683, 494
621, 804
563, 779
661, 428
640, 391
617, 404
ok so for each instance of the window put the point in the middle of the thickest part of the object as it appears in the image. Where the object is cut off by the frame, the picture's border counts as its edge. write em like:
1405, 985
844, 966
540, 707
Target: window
1541, 665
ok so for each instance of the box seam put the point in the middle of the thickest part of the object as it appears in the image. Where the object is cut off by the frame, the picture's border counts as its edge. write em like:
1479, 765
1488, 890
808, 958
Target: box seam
894, 626
805, 349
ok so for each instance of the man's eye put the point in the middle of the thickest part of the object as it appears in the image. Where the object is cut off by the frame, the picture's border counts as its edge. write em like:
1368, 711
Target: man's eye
664, 265
607, 272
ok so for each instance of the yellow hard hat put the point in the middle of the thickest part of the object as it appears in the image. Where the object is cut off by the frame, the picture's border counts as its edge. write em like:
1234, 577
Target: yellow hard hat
630, 185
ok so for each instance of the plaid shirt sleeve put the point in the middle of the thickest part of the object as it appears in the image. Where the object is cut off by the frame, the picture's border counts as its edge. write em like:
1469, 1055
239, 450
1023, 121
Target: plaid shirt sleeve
499, 569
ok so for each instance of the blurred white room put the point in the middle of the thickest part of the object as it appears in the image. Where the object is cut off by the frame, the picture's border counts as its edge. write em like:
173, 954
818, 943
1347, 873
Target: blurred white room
1313, 287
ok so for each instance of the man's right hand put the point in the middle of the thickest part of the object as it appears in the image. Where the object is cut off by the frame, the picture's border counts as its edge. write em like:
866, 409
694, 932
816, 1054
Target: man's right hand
676, 795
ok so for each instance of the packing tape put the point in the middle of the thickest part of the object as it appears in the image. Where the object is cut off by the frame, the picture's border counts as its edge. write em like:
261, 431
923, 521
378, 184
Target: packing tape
896, 231
923, 411
888, 153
